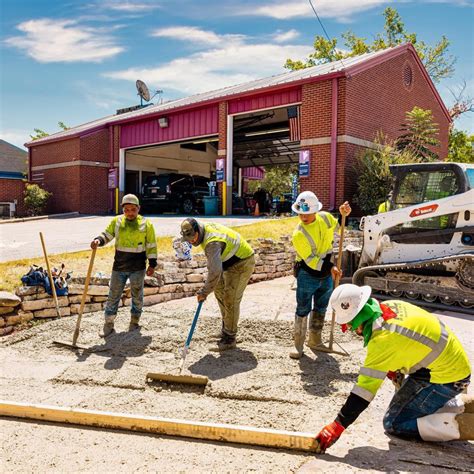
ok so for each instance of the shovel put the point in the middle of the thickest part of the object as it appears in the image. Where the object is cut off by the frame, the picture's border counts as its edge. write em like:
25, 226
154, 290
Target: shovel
74, 344
183, 379
51, 279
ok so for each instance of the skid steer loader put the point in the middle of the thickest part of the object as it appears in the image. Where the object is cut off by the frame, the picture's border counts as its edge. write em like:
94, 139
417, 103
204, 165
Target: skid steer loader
423, 247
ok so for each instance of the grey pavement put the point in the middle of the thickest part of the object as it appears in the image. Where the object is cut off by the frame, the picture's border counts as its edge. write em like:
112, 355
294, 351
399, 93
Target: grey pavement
21, 240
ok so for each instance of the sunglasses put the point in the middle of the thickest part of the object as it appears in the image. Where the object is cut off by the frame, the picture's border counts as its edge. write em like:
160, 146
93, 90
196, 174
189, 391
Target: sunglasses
302, 206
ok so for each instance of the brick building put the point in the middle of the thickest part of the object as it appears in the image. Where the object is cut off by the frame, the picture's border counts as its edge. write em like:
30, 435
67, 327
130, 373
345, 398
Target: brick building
333, 111
13, 169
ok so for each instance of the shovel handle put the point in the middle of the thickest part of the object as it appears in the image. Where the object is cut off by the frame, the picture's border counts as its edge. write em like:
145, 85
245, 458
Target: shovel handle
193, 326
53, 287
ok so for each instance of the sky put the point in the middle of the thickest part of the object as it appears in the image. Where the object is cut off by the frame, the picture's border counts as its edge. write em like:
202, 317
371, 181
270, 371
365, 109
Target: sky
76, 61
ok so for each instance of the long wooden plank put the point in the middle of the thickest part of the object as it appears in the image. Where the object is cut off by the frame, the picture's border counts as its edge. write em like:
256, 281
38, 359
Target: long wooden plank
163, 426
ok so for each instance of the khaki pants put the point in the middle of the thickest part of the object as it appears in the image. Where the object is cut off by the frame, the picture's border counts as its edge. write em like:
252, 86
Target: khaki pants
229, 291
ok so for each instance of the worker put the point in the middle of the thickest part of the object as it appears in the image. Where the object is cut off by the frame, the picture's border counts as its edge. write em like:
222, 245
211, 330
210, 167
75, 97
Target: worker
386, 205
402, 339
313, 240
230, 263
135, 242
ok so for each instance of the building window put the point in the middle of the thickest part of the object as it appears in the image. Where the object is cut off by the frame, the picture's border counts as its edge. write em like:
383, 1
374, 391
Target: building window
407, 76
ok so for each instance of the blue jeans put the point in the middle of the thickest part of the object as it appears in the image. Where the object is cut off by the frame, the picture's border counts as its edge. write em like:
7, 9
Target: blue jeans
312, 293
117, 285
415, 399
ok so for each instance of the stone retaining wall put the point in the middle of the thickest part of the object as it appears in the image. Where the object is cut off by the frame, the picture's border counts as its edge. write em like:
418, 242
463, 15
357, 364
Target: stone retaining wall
172, 280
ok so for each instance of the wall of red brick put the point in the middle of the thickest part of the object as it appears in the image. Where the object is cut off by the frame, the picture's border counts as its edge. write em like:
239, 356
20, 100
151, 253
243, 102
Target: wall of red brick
377, 99
56, 152
11, 190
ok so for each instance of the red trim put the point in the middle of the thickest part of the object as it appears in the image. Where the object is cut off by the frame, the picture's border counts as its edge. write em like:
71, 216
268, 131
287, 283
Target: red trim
333, 163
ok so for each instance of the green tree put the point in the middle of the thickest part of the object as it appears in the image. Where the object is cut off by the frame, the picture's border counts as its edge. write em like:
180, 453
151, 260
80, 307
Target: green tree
35, 199
277, 179
419, 135
374, 180
436, 59
38, 133
461, 146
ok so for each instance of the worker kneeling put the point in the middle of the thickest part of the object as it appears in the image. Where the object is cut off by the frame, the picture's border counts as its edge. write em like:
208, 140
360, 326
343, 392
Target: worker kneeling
230, 264
404, 339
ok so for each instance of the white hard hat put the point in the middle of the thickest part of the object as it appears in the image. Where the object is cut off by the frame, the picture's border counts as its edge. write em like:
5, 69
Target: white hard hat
130, 199
347, 301
306, 203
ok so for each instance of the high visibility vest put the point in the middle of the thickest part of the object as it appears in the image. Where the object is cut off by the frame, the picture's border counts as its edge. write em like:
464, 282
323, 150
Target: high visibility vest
415, 339
314, 241
234, 243
384, 207
135, 236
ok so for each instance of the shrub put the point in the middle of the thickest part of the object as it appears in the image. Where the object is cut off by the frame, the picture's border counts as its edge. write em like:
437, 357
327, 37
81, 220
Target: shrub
36, 199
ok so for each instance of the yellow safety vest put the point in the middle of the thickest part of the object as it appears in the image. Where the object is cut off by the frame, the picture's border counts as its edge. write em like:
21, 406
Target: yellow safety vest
234, 243
135, 236
314, 241
384, 207
415, 339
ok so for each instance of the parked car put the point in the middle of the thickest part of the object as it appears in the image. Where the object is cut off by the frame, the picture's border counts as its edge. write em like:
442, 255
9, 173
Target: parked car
282, 205
174, 192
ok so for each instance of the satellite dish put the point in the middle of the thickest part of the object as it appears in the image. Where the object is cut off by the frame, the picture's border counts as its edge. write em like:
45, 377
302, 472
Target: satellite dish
143, 91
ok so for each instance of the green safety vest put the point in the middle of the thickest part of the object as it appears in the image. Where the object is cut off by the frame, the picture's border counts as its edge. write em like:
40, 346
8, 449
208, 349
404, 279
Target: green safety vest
384, 207
135, 236
234, 243
413, 340
314, 241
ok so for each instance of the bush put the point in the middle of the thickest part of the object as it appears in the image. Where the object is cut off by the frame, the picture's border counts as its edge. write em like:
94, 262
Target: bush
36, 199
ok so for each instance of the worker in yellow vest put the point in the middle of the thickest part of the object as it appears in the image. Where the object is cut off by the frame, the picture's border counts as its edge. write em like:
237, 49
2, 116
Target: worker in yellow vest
403, 339
230, 263
313, 240
386, 205
135, 243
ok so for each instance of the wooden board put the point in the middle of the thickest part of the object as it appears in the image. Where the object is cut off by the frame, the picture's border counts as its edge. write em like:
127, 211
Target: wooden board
178, 379
161, 426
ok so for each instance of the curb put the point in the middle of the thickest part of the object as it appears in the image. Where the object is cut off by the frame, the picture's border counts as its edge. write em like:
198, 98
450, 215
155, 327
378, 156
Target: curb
37, 218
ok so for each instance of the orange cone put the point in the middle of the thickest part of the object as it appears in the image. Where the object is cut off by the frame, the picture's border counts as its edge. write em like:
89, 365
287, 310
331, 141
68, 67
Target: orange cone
257, 210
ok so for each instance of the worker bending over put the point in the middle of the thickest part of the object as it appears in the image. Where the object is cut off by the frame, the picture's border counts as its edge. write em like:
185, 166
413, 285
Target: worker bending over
402, 339
313, 240
135, 242
230, 263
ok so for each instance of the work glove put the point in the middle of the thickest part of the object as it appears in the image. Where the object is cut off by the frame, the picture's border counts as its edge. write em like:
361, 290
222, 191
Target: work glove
397, 379
328, 436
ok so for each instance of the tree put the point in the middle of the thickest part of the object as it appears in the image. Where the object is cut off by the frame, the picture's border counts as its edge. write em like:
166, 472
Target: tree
277, 179
438, 63
419, 134
38, 133
35, 199
463, 103
374, 180
461, 147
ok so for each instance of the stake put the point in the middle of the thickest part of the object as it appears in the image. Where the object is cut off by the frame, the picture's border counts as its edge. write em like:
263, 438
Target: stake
53, 287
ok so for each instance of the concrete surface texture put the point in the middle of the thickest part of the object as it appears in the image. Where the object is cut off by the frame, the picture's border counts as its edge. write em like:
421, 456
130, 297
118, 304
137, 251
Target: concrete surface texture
257, 384
20, 240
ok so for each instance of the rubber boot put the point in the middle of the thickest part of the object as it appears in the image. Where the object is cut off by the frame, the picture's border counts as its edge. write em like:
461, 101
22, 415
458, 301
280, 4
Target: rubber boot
299, 335
225, 343
134, 323
316, 322
108, 328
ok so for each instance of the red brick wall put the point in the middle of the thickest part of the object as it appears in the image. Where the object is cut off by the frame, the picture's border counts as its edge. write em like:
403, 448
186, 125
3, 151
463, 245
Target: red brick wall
56, 152
11, 189
378, 99
64, 183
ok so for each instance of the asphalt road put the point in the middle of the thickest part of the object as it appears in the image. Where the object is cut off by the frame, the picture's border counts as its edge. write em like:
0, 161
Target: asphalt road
21, 240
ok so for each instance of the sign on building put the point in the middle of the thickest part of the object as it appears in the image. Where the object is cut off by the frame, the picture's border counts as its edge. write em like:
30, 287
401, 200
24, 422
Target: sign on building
113, 178
220, 174
304, 163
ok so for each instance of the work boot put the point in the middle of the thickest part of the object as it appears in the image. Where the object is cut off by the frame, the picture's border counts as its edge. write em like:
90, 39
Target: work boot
108, 327
225, 343
299, 335
134, 323
316, 322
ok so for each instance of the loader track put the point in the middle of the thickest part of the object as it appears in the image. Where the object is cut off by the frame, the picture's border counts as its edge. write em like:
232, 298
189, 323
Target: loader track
426, 283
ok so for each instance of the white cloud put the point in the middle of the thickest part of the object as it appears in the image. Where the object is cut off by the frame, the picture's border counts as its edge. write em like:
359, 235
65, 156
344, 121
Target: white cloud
216, 68
284, 36
16, 137
195, 35
129, 7
340, 9
47, 40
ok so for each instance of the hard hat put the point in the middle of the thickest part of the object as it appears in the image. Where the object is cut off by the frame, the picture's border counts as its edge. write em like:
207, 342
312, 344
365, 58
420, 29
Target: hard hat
347, 301
189, 227
306, 203
130, 199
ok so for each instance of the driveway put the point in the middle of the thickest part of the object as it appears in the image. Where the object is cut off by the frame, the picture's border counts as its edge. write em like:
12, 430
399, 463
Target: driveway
21, 240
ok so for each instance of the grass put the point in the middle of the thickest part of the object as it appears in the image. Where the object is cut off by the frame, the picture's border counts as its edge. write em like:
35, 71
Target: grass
77, 262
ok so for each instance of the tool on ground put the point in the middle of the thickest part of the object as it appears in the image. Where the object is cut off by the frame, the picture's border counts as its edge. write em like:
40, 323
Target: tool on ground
330, 349
179, 378
81, 309
53, 286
